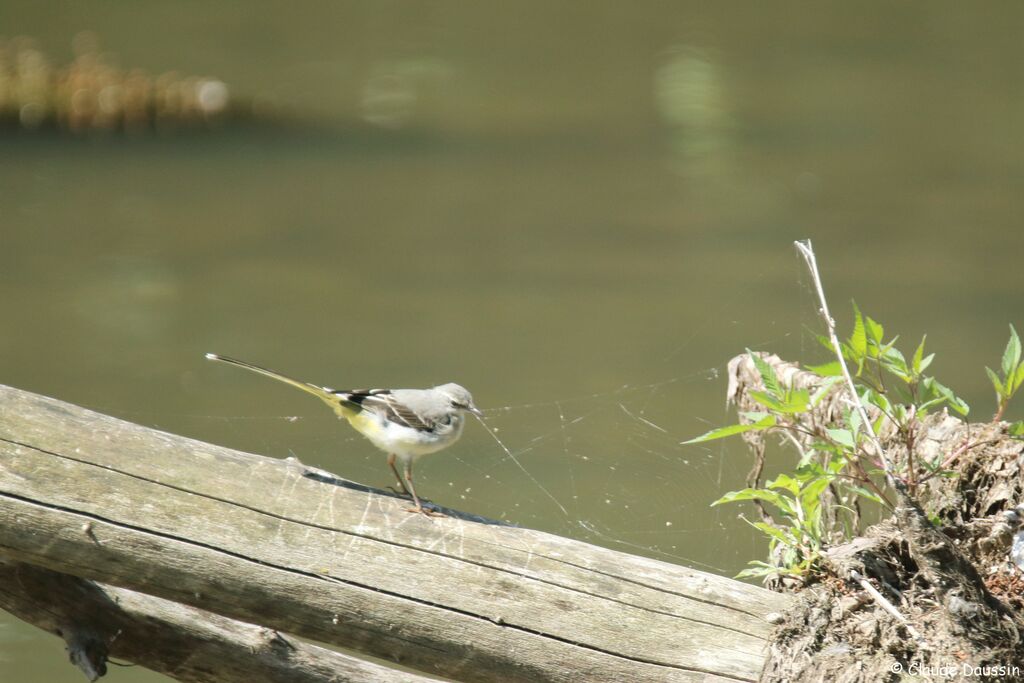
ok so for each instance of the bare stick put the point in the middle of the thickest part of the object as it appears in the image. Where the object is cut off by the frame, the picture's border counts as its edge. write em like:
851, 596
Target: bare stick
888, 607
807, 252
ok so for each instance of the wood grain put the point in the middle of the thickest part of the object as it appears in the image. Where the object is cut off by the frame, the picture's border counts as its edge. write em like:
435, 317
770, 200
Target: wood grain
300, 551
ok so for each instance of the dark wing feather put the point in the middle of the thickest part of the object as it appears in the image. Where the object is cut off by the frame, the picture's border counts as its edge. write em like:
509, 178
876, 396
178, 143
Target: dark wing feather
381, 400
400, 413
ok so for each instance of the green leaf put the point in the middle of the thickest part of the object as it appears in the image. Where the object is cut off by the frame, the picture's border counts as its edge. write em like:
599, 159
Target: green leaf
723, 432
879, 400
774, 532
772, 497
768, 401
954, 401
926, 361
853, 419
929, 396
874, 330
797, 401
918, 356
785, 482
843, 437
995, 381
960, 406
808, 472
876, 426
882, 350
832, 369
757, 571
858, 340
1011, 356
1018, 378
1016, 429
866, 493
894, 362
924, 408
810, 499
811, 492
768, 378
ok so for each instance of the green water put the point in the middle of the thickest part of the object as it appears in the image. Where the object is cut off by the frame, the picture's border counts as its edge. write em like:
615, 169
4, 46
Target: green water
580, 211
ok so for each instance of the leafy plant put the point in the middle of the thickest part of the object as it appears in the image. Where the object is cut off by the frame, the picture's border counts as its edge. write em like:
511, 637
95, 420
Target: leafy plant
798, 543
876, 359
835, 457
1007, 384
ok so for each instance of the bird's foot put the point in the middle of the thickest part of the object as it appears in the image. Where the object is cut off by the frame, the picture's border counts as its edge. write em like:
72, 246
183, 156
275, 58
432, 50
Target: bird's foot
428, 512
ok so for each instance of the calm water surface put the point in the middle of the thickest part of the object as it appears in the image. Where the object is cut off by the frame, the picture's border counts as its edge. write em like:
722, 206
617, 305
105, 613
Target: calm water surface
580, 211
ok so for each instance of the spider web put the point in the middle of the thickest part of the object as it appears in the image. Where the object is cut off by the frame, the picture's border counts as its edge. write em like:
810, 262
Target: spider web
607, 467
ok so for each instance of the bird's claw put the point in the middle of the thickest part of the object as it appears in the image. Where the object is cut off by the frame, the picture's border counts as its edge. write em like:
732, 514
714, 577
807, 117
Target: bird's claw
427, 512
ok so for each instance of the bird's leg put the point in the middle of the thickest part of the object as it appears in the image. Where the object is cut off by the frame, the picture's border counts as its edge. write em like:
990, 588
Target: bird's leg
398, 477
415, 499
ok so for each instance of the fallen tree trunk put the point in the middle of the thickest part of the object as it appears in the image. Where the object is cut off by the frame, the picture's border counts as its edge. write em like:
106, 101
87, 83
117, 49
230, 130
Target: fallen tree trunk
98, 622
296, 550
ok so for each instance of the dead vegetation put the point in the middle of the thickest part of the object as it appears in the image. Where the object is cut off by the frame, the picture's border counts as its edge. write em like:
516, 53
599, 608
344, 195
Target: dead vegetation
941, 558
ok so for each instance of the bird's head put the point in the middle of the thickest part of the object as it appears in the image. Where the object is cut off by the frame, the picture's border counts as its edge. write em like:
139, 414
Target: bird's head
459, 398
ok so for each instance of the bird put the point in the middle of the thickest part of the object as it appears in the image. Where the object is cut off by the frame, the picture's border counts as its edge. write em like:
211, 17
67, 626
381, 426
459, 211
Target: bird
404, 423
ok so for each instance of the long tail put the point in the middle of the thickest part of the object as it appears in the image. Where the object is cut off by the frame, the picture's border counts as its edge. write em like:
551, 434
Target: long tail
323, 393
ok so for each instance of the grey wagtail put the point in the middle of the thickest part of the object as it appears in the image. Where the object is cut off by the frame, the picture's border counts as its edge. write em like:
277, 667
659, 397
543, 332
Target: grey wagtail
404, 423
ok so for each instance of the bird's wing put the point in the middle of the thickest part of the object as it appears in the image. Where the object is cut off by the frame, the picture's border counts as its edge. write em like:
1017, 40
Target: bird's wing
383, 401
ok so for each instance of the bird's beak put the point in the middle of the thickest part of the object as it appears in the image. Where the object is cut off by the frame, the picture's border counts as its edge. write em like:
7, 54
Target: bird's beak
476, 411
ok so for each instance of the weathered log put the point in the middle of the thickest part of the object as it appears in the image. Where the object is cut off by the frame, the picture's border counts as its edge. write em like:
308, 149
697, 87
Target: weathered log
99, 622
274, 543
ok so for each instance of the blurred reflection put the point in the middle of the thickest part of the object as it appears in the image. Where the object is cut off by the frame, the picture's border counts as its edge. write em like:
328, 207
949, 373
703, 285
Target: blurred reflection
129, 299
91, 94
393, 91
689, 97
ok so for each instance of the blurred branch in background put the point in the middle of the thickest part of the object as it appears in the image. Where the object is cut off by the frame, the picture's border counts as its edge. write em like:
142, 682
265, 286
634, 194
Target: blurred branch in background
92, 94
